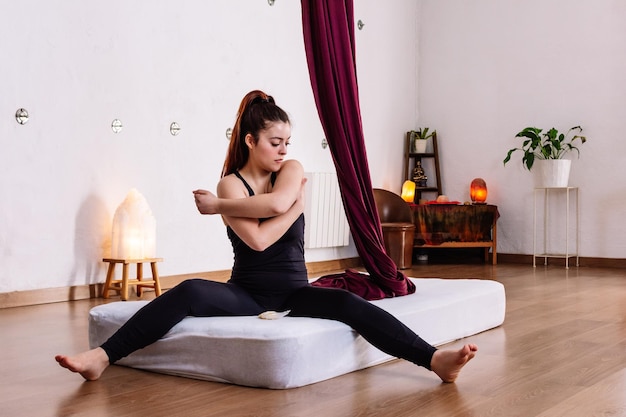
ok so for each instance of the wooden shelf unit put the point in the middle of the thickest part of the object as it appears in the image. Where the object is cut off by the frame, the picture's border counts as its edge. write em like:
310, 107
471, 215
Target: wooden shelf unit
410, 161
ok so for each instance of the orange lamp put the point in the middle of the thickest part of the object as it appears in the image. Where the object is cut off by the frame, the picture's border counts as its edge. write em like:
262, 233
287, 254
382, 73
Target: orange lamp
408, 191
478, 191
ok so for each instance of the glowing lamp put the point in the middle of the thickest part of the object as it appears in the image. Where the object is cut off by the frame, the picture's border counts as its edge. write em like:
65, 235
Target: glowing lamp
408, 191
478, 191
134, 229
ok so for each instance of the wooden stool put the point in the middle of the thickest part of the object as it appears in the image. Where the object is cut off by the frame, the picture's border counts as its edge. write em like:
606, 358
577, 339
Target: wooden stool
121, 285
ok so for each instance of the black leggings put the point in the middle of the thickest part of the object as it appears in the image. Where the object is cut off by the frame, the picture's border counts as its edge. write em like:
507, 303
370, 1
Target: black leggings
202, 298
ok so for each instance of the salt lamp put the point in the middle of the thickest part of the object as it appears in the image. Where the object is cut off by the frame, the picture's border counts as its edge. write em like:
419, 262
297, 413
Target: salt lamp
478, 191
134, 229
408, 191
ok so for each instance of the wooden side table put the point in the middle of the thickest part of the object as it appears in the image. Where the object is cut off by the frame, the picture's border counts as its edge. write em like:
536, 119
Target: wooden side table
457, 226
121, 285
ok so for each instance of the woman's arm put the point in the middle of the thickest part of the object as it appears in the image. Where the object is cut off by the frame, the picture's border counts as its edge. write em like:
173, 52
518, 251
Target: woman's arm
260, 235
284, 193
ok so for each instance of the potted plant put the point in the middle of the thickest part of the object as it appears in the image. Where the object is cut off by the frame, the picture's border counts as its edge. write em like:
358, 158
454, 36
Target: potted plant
545, 151
419, 139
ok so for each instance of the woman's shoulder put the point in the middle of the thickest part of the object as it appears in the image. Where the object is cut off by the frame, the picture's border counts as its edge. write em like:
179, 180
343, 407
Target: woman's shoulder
290, 172
291, 165
230, 186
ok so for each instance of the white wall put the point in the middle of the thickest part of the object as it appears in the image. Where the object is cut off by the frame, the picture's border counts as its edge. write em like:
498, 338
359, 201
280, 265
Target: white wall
77, 65
488, 68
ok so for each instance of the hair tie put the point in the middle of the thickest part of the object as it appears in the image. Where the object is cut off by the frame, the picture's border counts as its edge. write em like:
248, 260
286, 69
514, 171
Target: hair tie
264, 100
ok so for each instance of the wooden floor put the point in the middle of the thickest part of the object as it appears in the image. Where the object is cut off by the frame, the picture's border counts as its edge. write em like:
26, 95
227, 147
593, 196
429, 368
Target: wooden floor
560, 352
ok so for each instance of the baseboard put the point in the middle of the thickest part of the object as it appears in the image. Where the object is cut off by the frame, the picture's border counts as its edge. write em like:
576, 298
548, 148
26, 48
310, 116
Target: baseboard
82, 292
582, 261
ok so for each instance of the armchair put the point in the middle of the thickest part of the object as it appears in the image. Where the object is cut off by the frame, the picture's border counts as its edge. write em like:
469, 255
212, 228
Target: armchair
396, 220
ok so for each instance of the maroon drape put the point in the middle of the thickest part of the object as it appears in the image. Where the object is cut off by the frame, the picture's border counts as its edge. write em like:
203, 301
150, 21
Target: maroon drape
328, 27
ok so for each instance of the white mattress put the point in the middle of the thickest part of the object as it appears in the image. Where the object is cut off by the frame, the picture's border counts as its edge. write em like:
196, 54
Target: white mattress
293, 351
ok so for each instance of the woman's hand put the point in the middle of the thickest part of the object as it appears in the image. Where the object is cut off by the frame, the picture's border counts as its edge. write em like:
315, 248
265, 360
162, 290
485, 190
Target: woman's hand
233, 200
242, 214
206, 201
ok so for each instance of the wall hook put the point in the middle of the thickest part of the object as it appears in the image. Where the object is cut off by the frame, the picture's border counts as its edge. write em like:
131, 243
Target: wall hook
229, 133
116, 126
324, 143
21, 115
360, 24
174, 128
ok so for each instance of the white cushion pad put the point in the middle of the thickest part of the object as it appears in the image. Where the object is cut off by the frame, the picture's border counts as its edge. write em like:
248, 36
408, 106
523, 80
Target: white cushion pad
294, 351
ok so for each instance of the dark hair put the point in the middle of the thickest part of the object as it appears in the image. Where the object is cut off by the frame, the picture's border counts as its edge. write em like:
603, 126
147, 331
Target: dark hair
256, 111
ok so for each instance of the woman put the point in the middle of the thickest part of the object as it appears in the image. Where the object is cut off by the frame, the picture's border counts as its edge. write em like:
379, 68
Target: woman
261, 202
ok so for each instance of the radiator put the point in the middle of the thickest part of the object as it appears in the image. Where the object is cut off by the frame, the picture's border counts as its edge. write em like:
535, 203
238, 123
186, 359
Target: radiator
326, 225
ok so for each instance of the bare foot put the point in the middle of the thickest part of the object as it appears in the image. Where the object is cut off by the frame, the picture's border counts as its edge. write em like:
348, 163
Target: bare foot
89, 364
448, 363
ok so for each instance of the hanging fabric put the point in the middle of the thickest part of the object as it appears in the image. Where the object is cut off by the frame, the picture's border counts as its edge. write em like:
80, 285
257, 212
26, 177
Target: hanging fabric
328, 28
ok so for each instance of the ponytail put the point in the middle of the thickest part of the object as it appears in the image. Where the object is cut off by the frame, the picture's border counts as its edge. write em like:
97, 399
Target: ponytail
256, 111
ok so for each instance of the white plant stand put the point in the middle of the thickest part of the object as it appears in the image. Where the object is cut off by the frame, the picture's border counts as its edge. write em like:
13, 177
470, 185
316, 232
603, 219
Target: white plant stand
547, 192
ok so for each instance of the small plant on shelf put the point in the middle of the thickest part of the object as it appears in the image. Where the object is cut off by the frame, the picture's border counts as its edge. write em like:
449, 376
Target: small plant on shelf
423, 133
419, 137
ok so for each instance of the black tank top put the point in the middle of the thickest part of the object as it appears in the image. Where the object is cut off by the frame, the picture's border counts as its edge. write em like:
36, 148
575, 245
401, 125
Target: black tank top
276, 271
